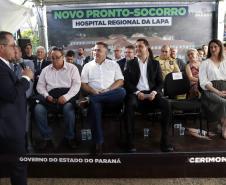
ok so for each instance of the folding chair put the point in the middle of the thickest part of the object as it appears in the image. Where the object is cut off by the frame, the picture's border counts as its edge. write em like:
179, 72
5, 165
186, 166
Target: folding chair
178, 84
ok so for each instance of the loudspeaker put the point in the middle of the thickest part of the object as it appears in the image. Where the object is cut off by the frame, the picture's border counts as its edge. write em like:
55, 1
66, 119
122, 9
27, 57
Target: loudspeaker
23, 42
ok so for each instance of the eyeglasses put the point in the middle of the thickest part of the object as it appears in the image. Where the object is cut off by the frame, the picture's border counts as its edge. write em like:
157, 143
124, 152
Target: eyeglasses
56, 58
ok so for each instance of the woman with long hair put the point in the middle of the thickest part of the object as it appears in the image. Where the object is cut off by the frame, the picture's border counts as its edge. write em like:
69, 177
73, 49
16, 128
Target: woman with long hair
212, 76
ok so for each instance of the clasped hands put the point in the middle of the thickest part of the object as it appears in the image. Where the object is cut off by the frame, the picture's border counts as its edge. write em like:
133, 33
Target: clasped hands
99, 91
61, 100
150, 96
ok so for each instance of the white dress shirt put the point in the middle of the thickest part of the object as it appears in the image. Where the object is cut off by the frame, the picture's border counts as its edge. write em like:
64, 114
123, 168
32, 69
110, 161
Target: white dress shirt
208, 72
101, 76
66, 77
80, 60
143, 81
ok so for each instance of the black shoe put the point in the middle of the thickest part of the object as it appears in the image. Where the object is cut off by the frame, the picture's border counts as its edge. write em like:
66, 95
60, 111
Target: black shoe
83, 103
45, 145
97, 150
71, 143
167, 148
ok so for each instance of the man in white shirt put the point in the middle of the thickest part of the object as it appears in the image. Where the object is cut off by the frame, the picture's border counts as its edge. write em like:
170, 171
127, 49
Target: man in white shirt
58, 83
103, 80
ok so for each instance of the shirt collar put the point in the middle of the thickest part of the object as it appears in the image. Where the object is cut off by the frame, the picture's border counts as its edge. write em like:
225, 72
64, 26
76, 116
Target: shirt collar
104, 61
65, 66
40, 60
139, 61
6, 62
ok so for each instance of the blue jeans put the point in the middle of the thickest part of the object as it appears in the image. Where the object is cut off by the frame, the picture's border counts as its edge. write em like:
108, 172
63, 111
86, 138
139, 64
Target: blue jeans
95, 110
40, 112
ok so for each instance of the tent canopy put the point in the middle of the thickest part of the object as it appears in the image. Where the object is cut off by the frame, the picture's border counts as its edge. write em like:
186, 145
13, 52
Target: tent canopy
13, 15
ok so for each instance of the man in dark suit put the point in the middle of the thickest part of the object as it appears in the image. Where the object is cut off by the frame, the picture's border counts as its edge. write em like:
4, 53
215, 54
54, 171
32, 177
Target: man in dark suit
12, 112
143, 83
40, 63
129, 55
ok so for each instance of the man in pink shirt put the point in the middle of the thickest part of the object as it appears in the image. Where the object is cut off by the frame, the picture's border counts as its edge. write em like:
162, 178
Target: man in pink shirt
58, 86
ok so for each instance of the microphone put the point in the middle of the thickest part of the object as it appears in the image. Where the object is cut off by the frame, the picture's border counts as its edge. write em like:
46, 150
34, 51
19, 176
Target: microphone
22, 65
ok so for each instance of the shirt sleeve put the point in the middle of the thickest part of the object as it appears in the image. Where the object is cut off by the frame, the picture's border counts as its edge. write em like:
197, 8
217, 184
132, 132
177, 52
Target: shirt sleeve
118, 72
203, 78
41, 85
75, 84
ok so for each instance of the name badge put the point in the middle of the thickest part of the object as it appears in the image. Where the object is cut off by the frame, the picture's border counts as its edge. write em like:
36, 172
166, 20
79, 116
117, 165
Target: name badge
177, 76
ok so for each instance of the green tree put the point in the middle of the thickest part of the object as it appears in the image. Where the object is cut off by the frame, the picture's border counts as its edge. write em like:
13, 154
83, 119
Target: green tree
33, 36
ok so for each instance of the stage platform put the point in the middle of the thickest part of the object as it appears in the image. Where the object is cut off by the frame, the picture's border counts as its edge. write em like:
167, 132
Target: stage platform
194, 156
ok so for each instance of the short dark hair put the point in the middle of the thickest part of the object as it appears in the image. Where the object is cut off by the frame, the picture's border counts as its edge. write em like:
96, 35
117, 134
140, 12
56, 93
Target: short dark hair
225, 44
28, 44
130, 47
70, 53
146, 43
3, 37
60, 49
82, 48
103, 44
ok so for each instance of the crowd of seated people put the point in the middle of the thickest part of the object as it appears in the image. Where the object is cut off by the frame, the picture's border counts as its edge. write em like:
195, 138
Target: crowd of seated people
136, 79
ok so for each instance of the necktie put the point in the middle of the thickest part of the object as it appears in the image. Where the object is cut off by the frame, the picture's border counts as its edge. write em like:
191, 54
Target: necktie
16, 70
39, 65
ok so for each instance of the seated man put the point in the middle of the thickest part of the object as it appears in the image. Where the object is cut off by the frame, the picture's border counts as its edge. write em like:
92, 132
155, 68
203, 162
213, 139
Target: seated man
103, 80
167, 63
179, 61
143, 83
60, 78
40, 63
129, 55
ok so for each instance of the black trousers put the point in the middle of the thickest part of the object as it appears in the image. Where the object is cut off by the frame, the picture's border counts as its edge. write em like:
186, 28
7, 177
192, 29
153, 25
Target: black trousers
133, 105
9, 161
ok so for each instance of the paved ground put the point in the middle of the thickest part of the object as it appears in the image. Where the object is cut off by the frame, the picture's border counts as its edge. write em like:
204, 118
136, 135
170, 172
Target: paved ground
178, 181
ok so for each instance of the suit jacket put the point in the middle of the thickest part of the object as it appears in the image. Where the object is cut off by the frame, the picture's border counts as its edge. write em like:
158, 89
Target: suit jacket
132, 76
38, 71
12, 104
122, 63
43, 65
